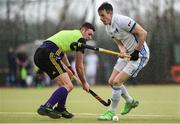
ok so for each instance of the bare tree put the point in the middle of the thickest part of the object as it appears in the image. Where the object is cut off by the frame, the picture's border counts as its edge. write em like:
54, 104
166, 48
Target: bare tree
25, 25
45, 23
8, 10
39, 5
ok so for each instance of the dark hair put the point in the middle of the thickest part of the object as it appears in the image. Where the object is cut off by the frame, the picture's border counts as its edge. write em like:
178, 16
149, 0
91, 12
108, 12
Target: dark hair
88, 25
105, 6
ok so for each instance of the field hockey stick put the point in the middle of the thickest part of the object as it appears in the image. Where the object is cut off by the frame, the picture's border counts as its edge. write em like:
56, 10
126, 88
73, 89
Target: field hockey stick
103, 50
99, 98
94, 94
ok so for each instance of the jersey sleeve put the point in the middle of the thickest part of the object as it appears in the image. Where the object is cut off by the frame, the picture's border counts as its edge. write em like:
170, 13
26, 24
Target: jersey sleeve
125, 23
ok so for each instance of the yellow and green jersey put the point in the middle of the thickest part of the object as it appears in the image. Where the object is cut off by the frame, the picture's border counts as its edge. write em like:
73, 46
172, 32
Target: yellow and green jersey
63, 39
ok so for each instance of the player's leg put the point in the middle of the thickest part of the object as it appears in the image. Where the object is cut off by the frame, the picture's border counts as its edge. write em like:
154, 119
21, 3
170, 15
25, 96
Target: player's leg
65, 83
58, 96
130, 102
46, 60
42, 61
125, 94
120, 78
120, 66
116, 94
123, 75
65, 86
132, 68
116, 91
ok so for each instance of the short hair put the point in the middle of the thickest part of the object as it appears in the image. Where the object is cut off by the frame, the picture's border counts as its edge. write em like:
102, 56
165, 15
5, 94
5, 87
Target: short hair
88, 25
105, 6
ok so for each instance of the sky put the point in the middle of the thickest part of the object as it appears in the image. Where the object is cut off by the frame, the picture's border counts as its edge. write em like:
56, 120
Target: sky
33, 11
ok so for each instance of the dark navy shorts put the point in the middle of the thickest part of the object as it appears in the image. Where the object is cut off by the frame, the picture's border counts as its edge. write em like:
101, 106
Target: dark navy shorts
47, 57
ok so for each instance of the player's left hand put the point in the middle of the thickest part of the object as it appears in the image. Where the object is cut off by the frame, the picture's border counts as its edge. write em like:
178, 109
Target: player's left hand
121, 55
134, 55
86, 87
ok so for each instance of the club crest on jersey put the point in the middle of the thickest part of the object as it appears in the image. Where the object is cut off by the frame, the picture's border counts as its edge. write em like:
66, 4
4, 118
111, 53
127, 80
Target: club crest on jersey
112, 33
53, 72
116, 30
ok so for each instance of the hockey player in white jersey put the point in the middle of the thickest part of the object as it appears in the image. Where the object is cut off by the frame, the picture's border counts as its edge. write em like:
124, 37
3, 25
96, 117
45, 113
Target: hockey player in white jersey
130, 39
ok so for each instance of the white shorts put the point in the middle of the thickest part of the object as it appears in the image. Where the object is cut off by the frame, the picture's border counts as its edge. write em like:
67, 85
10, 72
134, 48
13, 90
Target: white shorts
132, 67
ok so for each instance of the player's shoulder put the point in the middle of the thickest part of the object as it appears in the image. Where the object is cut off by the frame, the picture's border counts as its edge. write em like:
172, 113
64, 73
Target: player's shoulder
118, 15
70, 31
120, 18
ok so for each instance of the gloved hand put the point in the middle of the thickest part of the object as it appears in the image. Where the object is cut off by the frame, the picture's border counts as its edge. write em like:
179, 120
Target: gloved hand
74, 46
70, 68
134, 55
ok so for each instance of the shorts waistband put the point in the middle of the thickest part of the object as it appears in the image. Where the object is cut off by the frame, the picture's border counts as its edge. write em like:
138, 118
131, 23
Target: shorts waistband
52, 47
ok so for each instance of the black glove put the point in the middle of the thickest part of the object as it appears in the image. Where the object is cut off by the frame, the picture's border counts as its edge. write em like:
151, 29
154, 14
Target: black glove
70, 68
134, 55
74, 46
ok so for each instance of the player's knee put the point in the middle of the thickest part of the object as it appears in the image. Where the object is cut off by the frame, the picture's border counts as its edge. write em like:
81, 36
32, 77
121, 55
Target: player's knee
114, 82
110, 81
117, 81
70, 87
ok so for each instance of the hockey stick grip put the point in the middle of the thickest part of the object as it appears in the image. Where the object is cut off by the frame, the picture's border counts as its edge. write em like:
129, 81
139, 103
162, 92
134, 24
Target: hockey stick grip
99, 98
88, 46
113, 53
104, 50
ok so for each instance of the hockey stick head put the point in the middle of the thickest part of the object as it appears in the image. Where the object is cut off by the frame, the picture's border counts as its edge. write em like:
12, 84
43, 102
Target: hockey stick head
100, 99
108, 102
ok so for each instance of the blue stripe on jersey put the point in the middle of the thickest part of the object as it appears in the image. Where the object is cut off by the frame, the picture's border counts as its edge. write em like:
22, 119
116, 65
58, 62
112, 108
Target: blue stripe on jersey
143, 59
133, 27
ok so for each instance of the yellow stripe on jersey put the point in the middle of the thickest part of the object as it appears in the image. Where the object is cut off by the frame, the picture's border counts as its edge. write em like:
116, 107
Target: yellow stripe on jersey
58, 52
57, 66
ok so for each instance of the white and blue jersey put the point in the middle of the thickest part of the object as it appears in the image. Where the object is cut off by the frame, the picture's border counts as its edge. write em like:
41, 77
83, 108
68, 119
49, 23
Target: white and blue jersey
120, 30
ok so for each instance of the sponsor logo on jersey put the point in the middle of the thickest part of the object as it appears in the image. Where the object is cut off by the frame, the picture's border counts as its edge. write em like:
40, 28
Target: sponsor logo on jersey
129, 24
53, 72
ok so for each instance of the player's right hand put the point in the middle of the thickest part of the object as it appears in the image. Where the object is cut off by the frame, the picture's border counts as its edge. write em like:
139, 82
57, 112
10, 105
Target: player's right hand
86, 87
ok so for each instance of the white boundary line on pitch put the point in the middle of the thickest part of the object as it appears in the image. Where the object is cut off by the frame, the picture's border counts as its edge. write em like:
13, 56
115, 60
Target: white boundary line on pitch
93, 114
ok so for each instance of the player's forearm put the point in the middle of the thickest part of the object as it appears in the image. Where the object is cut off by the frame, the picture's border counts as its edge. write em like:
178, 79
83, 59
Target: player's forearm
140, 34
141, 38
121, 47
81, 73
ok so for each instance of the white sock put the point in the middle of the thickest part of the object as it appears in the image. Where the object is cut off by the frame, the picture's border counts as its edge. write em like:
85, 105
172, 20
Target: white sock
125, 94
116, 94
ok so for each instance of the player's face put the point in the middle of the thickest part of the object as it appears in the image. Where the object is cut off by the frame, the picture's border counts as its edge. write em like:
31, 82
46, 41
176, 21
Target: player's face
88, 34
105, 16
